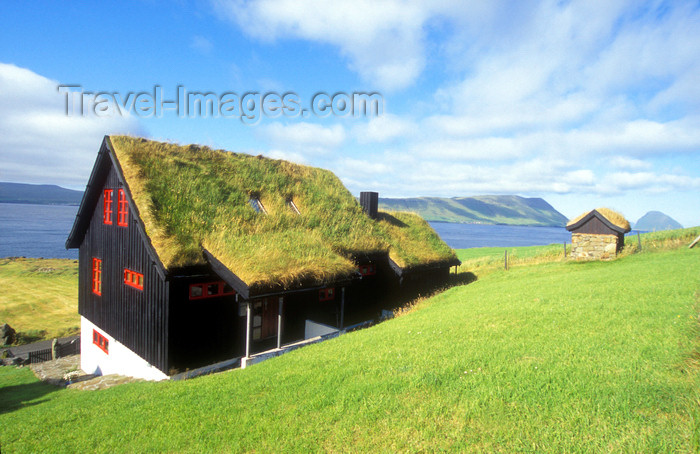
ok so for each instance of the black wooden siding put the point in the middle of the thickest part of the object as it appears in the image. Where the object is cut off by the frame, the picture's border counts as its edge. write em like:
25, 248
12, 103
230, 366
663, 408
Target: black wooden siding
202, 331
136, 318
595, 226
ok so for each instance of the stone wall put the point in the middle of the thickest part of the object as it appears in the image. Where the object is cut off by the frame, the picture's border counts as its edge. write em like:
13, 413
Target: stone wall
588, 246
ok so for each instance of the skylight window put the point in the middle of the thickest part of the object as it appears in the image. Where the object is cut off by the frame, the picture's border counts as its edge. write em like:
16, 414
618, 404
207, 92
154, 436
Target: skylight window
293, 206
257, 205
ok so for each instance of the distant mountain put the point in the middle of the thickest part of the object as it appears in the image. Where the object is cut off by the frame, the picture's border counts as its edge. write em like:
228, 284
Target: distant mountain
42, 194
487, 209
656, 220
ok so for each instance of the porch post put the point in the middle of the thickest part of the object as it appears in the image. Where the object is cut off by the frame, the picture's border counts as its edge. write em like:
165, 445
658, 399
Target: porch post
279, 321
247, 329
342, 307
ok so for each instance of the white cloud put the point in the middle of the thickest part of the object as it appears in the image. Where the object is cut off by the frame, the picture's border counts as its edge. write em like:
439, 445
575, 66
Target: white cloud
477, 149
479, 116
583, 177
306, 138
635, 137
39, 143
455, 138
383, 129
650, 181
401, 174
383, 41
350, 166
586, 76
286, 156
652, 48
624, 162
524, 65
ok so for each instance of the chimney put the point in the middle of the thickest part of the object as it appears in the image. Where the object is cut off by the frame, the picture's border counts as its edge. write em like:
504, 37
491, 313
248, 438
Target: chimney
369, 201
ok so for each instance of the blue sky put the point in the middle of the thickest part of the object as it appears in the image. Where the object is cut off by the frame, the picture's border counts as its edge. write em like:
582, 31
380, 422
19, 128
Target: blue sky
583, 103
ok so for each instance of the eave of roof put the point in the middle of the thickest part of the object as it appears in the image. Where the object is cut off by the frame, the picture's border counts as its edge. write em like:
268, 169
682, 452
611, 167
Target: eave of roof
106, 159
425, 267
92, 193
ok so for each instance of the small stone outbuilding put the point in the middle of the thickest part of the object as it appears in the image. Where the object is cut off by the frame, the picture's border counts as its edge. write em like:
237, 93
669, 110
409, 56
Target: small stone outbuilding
598, 234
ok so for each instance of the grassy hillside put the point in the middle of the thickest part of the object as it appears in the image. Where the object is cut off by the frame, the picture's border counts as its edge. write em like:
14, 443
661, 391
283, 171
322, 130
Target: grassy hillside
39, 297
488, 209
44, 194
553, 357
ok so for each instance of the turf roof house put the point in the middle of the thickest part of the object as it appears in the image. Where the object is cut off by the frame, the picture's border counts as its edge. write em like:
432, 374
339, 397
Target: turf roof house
189, 256
597, 234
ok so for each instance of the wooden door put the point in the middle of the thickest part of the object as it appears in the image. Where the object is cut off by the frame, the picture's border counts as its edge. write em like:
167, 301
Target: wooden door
265, 314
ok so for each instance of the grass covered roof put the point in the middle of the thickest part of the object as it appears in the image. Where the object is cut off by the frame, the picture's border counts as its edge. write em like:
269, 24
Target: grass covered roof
192, 197
612, 216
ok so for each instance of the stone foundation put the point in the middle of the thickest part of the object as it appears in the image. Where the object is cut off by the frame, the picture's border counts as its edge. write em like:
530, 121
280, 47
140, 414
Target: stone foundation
589, 246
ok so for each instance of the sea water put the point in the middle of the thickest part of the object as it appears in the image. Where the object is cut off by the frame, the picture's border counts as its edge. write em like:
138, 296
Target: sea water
41, 231
36, 230
464, 236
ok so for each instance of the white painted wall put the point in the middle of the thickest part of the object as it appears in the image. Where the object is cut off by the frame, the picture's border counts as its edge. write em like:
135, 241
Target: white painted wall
120, 359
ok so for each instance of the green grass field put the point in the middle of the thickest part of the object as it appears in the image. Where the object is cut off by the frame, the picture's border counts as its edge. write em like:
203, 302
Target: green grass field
39, 297
548, 357
486, 259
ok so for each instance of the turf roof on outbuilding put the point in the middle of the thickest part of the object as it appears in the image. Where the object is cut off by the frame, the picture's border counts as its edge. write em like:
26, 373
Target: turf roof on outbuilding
194, 203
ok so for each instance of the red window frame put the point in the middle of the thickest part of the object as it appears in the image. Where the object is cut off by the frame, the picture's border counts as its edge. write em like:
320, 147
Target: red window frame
209, 290
367, 270
133, 279
326, 294
101, 341
122, 210
107, 207
96, 276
